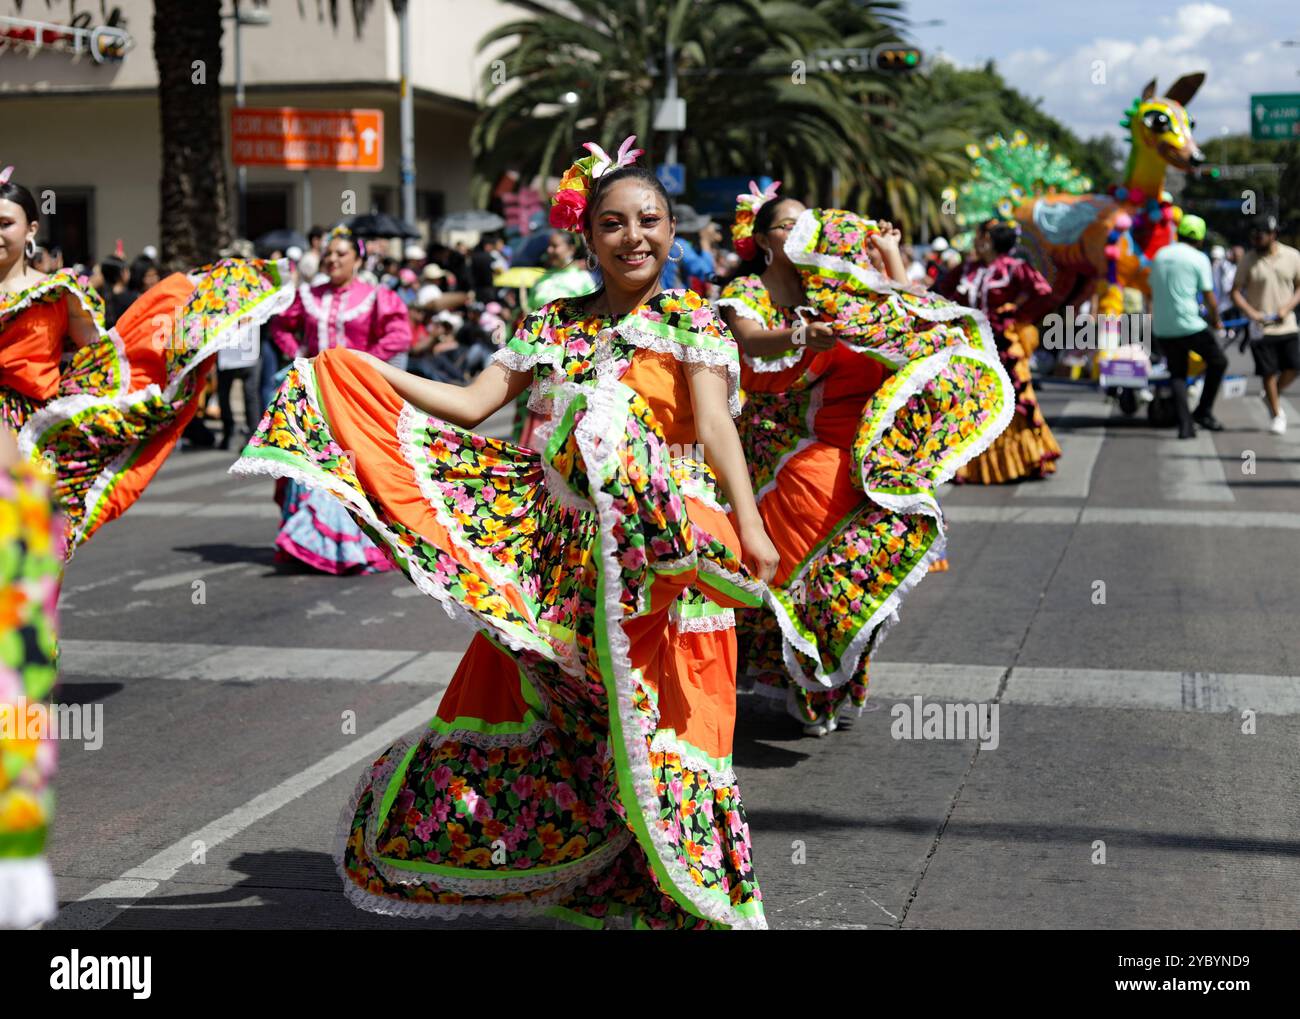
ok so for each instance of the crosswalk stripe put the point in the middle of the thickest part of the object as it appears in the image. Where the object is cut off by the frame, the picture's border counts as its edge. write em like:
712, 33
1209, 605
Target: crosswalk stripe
1164, 691
1079, 453
1189, 470
114, 659
1093, 515
1052, 687
1089, 688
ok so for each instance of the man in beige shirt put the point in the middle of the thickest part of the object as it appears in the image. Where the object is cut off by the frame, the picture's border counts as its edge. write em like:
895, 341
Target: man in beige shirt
1267, 290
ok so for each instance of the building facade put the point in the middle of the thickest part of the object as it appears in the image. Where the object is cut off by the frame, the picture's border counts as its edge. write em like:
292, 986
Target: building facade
82, 122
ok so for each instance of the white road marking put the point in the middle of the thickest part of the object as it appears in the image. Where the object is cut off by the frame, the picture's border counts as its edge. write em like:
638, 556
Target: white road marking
1079, 452
209, 474
1066, 515
1058, 687
1189, 470
949, 682
123, 659
187, 577
103, 904
1165, 691
244, 510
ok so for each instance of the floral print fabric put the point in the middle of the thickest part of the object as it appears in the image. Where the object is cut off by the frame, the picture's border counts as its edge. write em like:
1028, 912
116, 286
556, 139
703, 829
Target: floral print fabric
107, 413
569, 561
31, 561
946, 397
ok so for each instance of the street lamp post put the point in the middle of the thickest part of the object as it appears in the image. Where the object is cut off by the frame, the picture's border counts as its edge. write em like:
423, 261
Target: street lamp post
256, 15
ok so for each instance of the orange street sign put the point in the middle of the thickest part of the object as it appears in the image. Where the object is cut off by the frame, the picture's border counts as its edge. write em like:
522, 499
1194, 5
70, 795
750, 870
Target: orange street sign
299, 139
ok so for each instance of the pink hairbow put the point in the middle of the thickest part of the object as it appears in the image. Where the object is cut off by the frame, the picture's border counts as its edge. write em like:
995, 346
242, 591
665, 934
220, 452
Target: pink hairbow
603, 164
756, 199
5, 174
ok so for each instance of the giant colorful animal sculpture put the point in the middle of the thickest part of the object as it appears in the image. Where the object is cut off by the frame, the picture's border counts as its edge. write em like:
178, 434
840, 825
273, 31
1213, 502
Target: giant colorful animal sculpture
1079, 240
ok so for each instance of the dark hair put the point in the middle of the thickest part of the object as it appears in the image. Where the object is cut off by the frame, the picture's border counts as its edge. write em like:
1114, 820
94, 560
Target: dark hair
605, 182
314, 232
24, 199
1000, 235
347, 237
762, 224
112, 267
140, 265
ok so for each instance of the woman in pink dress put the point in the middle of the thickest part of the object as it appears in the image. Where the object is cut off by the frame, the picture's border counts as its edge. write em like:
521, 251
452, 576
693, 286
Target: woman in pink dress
1014, 295
343, 312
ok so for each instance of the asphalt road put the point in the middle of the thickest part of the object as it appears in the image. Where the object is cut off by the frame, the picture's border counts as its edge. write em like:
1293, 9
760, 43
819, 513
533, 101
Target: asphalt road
224, 764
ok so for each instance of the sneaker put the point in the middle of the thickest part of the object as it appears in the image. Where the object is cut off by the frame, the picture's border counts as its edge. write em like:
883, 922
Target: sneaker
1278, 425
822, 727
1208, 421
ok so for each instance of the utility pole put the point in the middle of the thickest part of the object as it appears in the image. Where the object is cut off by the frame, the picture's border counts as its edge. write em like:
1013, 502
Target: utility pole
407, 112
257, 15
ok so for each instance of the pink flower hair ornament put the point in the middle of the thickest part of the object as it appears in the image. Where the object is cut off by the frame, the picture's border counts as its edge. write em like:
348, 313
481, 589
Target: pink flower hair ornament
5, 174
747, 206
569, 203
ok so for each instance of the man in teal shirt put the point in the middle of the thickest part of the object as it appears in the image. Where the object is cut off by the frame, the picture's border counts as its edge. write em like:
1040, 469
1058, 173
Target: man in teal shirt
1180, 273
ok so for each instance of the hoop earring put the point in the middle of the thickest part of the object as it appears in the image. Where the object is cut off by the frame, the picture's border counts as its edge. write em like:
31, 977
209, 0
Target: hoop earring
767, 256
676, 244
29, 249
592, 263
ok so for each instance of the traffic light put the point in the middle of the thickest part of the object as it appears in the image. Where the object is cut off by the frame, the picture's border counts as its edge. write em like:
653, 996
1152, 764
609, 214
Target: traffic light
896, 57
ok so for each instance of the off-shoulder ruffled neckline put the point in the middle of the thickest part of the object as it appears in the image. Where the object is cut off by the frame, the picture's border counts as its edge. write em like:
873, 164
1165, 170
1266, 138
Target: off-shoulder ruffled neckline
65, 276
574, 305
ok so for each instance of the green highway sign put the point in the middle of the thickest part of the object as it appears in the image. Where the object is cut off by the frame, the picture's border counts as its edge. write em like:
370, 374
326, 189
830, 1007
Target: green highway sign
1275, 116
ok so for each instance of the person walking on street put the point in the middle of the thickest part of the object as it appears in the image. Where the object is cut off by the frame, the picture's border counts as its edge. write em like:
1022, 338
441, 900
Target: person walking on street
1179, 273
1267, 289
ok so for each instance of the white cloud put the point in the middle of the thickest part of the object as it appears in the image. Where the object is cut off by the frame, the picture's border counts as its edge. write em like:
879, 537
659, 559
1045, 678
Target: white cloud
1238, 55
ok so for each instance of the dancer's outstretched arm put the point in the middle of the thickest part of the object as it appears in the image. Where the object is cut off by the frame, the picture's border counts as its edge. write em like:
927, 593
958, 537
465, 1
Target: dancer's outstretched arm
756, 341
717, 434
468, 406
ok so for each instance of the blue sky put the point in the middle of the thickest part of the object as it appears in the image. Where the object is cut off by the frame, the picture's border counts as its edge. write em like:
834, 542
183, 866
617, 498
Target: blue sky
1048, 49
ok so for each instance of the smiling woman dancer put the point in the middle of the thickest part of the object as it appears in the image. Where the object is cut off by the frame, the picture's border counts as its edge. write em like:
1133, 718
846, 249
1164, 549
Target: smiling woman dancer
580, 761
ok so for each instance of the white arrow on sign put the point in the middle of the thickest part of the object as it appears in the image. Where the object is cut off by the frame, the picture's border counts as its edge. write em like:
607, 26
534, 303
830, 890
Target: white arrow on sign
1260, 111
368, 136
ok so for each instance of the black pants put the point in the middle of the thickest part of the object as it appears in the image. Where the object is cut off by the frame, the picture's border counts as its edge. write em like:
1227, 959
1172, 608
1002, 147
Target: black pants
1177, 349
226, 377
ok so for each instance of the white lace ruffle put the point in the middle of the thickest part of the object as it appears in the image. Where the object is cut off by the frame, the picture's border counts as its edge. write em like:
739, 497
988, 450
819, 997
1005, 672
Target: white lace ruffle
723, 620
55, 282
687, 354
599, 442
742, 308
27, 893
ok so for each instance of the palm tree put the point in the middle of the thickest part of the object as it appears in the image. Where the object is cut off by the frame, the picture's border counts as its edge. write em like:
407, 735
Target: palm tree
194, 224
593, 69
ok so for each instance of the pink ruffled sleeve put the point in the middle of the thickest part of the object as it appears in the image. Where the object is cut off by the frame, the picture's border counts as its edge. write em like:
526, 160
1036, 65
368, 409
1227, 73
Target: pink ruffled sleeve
392, 330
286, 328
